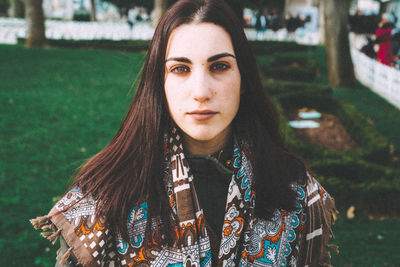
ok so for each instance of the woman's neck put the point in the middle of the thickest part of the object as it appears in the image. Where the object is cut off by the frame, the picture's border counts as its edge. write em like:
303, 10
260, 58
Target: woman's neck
207, 147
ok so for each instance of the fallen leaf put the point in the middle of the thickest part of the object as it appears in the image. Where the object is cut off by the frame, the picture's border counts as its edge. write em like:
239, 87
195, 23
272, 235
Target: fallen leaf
350, 212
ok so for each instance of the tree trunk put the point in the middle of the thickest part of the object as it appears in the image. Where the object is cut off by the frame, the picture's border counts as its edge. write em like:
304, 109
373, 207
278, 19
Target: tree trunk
381, 7
340, 66
16, 9
321, 21
159, 8
35, 22
286, 8
92, 10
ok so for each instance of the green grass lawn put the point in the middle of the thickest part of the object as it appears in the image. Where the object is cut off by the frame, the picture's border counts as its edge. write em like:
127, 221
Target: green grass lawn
60, 106
366, 243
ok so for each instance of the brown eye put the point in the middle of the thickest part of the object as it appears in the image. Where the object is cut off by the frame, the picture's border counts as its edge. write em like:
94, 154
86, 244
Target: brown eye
180, 69
219, 67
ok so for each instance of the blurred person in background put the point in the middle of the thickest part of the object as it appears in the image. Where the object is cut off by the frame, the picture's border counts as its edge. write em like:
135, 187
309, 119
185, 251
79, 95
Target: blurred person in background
395, 41
133, 12
290, 23
383, 38
273, 20
368, 48
261, 25
396, 60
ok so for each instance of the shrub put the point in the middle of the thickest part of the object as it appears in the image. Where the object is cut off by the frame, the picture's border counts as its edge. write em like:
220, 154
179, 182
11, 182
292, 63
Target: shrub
353, 170
273, 47
122, 45
377, 198
373, 146
376, 146
362, 177
281, 89
354, 177
289, 68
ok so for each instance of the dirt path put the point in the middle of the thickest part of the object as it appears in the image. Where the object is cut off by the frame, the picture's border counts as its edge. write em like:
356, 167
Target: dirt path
330, 133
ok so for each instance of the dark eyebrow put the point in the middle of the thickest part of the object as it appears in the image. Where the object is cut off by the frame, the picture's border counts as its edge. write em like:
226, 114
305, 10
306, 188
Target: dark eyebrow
210, 59
180, 59
216, 57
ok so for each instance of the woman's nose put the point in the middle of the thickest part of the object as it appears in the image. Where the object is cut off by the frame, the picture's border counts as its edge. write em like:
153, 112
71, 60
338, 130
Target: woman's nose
200, 86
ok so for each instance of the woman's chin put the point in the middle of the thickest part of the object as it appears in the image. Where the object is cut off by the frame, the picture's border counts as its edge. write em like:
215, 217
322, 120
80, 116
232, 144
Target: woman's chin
208, 134
202, 136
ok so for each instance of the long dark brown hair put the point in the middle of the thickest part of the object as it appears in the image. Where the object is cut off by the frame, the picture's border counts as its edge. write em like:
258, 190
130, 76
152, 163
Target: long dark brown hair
129, 168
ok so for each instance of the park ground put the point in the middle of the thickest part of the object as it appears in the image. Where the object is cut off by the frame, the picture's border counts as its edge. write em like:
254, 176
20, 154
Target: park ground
60, 106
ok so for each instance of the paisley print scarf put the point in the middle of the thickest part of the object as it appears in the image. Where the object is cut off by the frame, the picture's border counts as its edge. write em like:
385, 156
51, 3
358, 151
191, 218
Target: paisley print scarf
296, 238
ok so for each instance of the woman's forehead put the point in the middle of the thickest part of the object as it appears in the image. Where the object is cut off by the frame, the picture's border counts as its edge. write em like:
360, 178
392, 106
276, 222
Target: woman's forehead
198, 40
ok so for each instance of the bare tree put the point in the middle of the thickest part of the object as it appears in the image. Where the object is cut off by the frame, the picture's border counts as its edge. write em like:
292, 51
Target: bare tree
16, 9
35, 23
159, 8
321, 21
93, 10
340, 66
286, 7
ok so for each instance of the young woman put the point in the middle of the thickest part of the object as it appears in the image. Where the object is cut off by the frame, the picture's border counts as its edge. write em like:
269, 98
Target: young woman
197, 175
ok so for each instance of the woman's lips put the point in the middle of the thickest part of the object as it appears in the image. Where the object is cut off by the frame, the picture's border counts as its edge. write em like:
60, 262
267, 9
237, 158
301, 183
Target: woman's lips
202, 115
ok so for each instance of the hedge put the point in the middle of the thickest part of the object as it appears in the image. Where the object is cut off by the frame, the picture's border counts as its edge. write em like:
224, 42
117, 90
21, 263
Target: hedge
354, 170
281, 89
361, 177
274, 47
372, 145
122, 45
289, 68
258, 47
377, 198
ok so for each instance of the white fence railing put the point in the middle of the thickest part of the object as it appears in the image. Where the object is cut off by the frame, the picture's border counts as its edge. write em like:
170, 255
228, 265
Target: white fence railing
11, 29
381, 79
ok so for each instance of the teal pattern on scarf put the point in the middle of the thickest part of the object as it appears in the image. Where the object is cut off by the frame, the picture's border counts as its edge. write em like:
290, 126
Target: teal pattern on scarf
295, 238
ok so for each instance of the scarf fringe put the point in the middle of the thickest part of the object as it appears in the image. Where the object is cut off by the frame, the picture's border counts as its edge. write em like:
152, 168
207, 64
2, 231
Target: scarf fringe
53, 238
324, 214
334, 248
330, 220
49, 230
51, 235
46, 234
39, 222
65, 257
47, 227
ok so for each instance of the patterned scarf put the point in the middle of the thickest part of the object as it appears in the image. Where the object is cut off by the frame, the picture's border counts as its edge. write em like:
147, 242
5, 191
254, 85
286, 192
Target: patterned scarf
296, 238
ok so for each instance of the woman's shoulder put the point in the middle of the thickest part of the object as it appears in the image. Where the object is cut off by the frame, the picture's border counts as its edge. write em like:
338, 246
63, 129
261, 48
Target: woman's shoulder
303, 233
320, 213
85, 236
74, 218
75, 203
315, 192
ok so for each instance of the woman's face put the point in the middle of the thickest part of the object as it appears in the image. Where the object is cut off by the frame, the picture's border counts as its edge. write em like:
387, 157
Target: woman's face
202, 81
